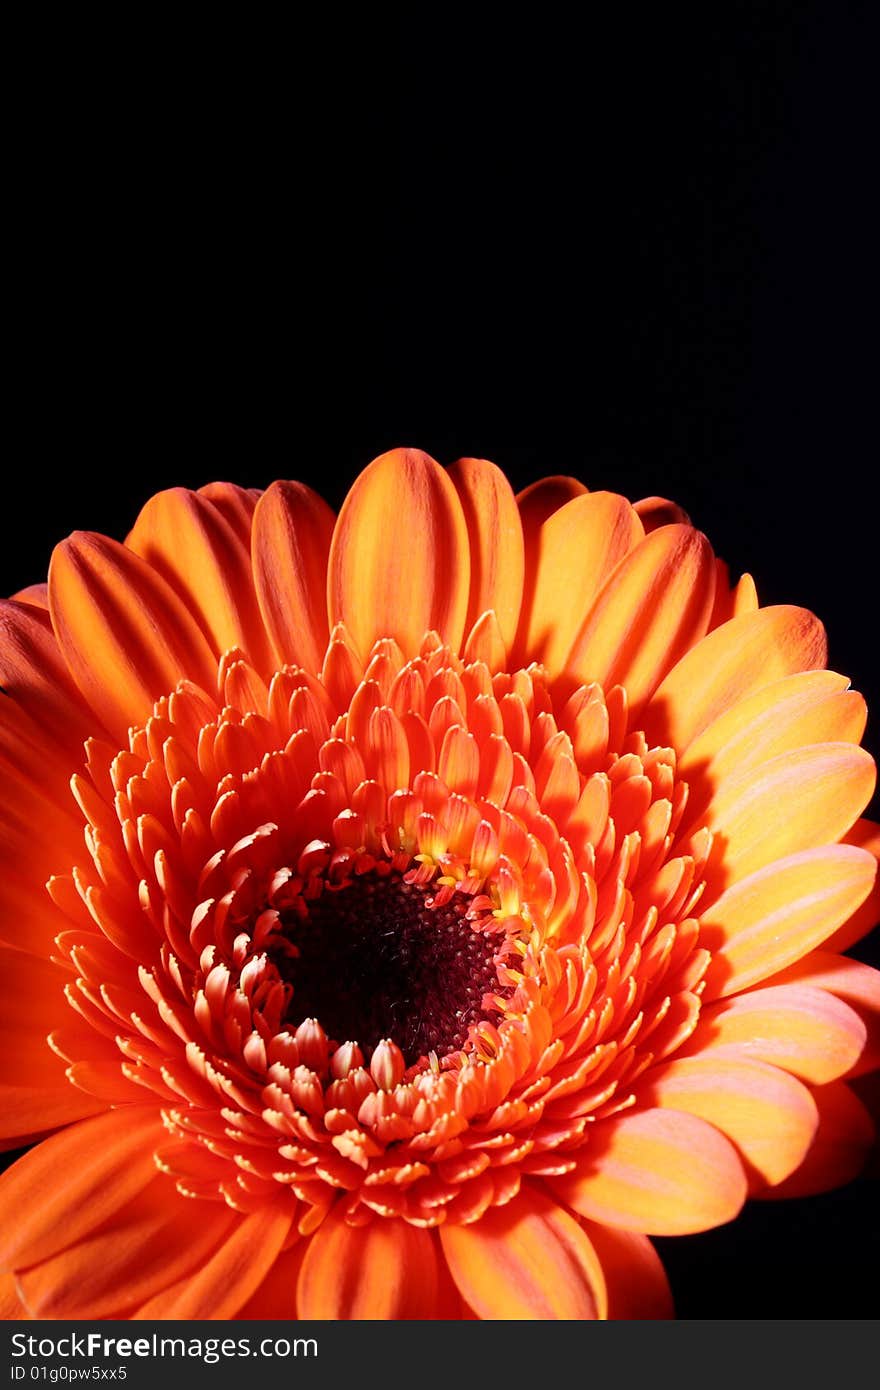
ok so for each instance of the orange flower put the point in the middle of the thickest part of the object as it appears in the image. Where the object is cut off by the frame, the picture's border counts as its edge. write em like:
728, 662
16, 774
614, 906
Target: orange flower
462, 898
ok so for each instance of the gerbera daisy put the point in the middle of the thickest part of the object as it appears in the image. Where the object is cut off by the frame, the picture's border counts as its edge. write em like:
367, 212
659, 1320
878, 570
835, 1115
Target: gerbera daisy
443, 899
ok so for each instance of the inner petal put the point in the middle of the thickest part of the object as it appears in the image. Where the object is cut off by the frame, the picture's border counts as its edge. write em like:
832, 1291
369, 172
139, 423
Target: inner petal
377, 959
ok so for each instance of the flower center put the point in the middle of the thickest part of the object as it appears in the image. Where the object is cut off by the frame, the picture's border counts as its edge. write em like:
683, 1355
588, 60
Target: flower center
376, 959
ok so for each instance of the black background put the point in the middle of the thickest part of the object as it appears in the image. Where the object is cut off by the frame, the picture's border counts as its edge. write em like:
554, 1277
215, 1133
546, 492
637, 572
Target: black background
639, 249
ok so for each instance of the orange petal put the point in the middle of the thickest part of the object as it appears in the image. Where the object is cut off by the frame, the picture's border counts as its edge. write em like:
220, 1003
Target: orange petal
496, 543
36, 681
153, 1241
68, 1185
11, 1307
865, 834
654, 512
540, 499
856, 984
291, 542
838, 1151
775, 916
234, 503
275, 1299
822, 789
37, 595
638, 1288
126, 636
35, 1094
226, 1281
741, 656
769, 1116
528, 1260
384, 1270
574, 553
807, 1032
400, 560
662, 1172
806, 708
188, 541
654, 607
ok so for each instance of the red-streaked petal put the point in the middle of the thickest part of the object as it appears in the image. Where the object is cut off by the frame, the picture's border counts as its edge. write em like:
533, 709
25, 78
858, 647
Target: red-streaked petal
226, 1281
189, 542
153, 1241
638, 1288
400, 559
661, 1172
292, 529
70, 1184
840, 1147
496, 543
806, 1031
654, 607
775, 916
741, 656
767, 1114
528, 1260
384, 1270
125, 634
573, 555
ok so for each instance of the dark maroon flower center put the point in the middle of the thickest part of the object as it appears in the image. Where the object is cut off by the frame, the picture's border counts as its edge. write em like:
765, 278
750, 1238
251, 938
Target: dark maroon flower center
373, 960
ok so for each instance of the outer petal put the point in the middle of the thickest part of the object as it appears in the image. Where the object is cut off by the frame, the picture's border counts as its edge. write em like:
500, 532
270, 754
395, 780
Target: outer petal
400, 559
654, 512
823, 789
152, 1242
530, 1259
291, 542
35, 1094
741, 656
187, 540
838, 1152
226, 1281
775, 916
856, 984
126, 635
654, 607
70, 1184
275, 1299
574, 552
661, 1172
806, 1031
866, 835
769, 1116
638, 1288
539, 500
11, 1307
496, 543
37, 595
807, 708
36, 684
385, 1270
235, 503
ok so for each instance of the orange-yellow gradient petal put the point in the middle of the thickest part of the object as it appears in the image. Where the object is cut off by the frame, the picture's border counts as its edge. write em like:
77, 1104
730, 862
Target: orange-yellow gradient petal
422, 581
